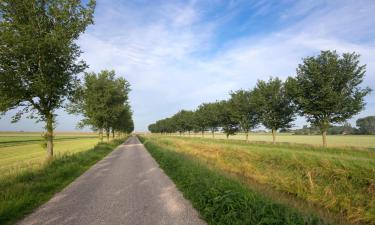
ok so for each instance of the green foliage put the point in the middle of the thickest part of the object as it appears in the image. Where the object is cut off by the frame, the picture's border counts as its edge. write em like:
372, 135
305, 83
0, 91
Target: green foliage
244, 110
275, 106
184, 121
103, 101
212, 115
226, 118
219, 199
39, 59
23, 193
366, 125
326, 89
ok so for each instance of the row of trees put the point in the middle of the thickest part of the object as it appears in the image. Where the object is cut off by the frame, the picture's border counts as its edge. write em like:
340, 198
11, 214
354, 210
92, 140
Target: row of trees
325, 91
40, 63
102, 100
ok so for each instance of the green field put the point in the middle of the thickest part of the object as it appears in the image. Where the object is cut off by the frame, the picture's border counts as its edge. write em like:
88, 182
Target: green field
23, 150
361, 141
23, 192
337, 184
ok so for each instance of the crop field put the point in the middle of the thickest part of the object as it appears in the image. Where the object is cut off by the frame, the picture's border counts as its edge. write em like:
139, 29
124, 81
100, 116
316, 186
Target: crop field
24, 150
337, 184
361, 141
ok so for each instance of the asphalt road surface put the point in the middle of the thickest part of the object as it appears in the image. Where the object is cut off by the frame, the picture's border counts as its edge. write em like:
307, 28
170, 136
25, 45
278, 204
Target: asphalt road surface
126, 187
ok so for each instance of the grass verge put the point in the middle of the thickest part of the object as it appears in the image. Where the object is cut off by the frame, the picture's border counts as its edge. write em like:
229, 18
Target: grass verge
335, 183
21, 194
220, 199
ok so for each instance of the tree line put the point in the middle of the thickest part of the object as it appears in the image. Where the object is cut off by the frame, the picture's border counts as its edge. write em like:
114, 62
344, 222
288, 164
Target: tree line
40, 63
365, 125
326, 90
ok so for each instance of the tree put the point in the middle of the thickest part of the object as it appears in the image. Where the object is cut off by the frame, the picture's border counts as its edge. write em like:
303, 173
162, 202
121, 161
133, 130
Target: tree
275, 106
102, 100
201, 118
326, 89
212, 116
184, 121
244, 110
366, 125
226, 118
39, 56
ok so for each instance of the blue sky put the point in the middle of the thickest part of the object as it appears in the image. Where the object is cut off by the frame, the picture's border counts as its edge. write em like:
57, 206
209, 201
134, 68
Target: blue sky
178, 54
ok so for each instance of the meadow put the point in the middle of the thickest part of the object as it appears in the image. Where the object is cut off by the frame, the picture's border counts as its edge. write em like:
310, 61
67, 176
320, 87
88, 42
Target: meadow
21, 151
360, 141
336, 184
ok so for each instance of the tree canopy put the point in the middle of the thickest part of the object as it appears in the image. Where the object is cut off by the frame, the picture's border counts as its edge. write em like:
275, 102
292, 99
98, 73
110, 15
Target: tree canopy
327, 88
39, 59
103, 102
366, 125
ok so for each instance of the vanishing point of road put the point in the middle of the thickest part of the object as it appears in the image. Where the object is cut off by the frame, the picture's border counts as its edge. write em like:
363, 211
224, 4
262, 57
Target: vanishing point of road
126, 187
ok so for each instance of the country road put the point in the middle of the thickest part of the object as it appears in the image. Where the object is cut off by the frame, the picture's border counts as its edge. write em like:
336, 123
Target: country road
126, 187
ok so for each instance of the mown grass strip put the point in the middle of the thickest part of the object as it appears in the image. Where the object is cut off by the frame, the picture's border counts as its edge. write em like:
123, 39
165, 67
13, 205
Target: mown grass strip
220, 199
22, 193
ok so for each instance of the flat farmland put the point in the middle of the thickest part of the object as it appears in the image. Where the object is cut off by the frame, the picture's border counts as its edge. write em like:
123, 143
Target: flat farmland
361, 141
24, 150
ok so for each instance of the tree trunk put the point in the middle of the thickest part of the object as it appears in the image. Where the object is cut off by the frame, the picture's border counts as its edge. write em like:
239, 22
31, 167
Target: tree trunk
202, 133
101, 135
273, 136
227, 136
324, 136
107, 133
113, 134
49, 135
213, 133
247, 135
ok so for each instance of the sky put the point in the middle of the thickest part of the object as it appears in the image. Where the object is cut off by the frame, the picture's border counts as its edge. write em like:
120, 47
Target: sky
179, 54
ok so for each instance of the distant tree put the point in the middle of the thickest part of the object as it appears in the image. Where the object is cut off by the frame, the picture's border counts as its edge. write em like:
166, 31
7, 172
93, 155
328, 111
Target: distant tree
226, 118
102, 100
275, 106
213, 113
366, 125
244, 110
326, 89
39, 58
184, 121
123, 122
201, 119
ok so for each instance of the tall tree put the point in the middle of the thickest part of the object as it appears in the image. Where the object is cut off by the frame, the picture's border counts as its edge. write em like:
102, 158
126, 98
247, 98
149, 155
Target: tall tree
275, 106
201, 119
366, 125
102, 100
39, 56
212, 111
326, 89
226, 118
244, 110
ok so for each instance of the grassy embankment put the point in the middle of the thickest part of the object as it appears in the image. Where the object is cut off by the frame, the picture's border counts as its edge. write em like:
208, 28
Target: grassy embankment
23, 190
360, 141
336, 184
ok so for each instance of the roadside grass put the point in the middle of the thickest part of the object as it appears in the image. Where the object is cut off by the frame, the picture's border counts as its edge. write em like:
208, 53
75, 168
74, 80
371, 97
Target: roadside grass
218, 198
338, 180
359, 141
21, 193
